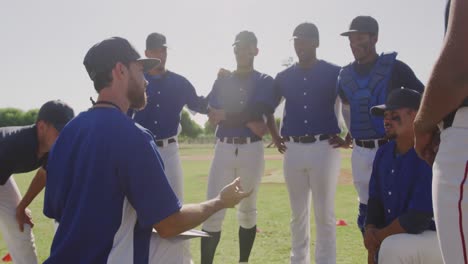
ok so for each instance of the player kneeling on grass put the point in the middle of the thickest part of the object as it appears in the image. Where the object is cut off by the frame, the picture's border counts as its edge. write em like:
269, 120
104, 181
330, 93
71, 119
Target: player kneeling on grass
106, 183
400, 226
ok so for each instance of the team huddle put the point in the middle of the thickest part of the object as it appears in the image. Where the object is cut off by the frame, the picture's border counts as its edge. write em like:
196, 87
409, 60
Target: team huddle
113, 175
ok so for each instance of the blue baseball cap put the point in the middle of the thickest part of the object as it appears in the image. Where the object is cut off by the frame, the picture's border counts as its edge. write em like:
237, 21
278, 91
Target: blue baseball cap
397, 99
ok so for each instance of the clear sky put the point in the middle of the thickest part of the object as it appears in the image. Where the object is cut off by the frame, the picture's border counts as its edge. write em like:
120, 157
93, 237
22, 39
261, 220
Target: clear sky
44, 42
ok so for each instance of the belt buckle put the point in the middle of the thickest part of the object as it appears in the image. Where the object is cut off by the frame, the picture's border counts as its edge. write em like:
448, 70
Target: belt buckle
235, 140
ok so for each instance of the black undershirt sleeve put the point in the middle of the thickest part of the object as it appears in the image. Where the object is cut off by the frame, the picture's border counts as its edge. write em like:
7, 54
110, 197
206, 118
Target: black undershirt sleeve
415, 222
375, 213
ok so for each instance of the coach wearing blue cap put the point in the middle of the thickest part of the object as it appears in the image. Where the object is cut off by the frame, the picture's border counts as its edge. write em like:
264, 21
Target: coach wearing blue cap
24, 149
106, 183
400, 226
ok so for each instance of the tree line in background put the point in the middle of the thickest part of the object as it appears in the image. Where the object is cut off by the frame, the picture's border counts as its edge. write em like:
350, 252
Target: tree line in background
18, 117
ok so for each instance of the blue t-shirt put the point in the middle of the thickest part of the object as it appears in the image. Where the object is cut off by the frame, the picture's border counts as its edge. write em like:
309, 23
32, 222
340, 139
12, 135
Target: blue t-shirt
310, 96
167, 94
107, 188
401, 183
236, 93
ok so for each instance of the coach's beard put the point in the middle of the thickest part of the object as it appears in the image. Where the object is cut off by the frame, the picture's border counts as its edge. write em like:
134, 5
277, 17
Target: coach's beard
136, 95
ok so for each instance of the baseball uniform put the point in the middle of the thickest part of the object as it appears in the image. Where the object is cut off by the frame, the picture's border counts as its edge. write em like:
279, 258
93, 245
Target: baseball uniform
167, 94
363, 86
107, 187
238, 153
311, 164
20, 148
449, 184
400, 188
18, 154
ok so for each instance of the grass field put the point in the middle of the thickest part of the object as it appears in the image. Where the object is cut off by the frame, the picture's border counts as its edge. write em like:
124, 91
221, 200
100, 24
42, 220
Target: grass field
273, 240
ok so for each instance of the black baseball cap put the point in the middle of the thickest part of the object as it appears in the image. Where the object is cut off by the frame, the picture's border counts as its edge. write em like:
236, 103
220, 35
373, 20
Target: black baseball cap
397, 99
306, 30
363, 24
103, 56
57, 113
245, 37
155, 41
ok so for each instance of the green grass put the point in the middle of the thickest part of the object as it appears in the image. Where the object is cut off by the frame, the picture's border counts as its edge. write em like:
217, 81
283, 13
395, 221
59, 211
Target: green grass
273, 241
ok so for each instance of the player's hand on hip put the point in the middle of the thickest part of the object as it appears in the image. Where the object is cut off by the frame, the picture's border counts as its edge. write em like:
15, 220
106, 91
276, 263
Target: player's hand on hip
426, 144
337, 142
232, 194
23, 216
222, 73
279, 143
259, 128
216, 115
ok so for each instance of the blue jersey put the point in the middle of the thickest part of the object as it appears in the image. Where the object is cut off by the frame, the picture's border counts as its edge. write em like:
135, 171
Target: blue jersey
401, 184
236, 94
107, 188
310, 96
167, 94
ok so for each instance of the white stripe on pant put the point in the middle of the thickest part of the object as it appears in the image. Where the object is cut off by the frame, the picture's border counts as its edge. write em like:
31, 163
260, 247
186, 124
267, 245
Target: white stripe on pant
20, 244
312, 169
449, 172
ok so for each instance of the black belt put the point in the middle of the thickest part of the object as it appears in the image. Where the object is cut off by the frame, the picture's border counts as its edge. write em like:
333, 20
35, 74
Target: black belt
160, 143
370, 144
239, 140
307, 139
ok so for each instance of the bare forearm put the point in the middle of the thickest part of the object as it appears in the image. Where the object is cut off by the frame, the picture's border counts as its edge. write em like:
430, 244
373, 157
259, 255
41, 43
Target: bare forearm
36, 186
188, 217
448, 85
271, 124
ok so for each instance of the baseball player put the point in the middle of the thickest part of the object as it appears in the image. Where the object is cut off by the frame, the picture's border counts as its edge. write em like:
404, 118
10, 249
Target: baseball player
399, 225
363, 84
309, 132
24, 149
446, 100
246, 94
106, 183
167, 94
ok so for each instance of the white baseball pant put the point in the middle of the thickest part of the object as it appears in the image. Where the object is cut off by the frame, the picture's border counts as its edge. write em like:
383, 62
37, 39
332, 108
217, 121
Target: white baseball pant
167, 250
311, 170
177, 250
249, 165
449, 190
20, 244
362, 160
410, 249
173, 168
